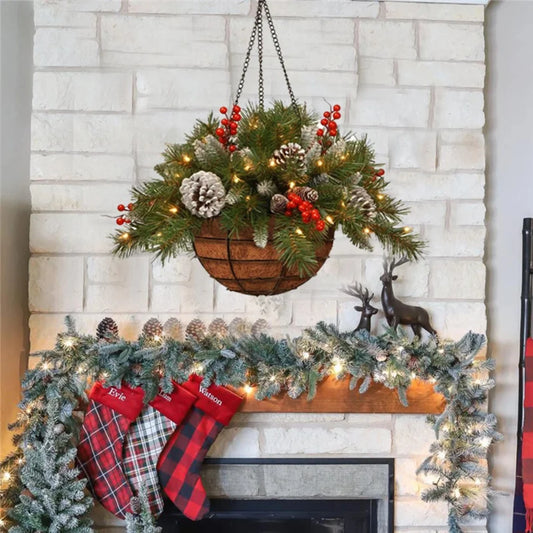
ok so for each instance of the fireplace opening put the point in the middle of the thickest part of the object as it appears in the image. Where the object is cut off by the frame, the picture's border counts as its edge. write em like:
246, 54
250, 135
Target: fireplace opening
292, 495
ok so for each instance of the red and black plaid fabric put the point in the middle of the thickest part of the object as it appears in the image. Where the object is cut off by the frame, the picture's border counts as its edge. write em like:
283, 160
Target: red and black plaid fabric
145, 440
527, 439
108, 418
179, 464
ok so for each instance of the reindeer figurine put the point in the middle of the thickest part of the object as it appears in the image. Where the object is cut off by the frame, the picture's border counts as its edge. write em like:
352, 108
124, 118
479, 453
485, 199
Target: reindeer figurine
367, 310
396, 312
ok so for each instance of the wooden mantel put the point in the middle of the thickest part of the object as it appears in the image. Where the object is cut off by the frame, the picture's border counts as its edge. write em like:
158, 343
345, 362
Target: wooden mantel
334, 396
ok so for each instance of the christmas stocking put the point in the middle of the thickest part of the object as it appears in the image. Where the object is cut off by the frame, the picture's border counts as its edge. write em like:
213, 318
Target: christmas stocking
109, 415
179, 464
145, 440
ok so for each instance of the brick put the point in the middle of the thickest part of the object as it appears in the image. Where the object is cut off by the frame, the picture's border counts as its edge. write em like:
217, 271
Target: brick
276, 310
362, 419
319, 9
431, 11
52, 14
405, 482
381, 38
391, 107
462, 151
56, 284
428, 212
415, 511
413, 150
236, 442
97, 198
311, 310
190, 7
467, 214
111, 269
441, 73
70, 233
376, 71
229, 302
453, 319
65, 47
419, 186
43, 330
182, 89
463, 241
459, 42
459, 109
82, 91
94, 5
276, 419
452, 277
81, 133
325, 440
175, 270
412, 435
72, 167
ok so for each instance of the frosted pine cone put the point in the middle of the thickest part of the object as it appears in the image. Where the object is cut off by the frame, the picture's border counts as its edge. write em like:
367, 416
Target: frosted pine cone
218, 328
259, 326
239, 327
107, 328
203, 194
291, 153
208, 150
174, 328
306, 193
152, 329
278, 203
195, 330
361, 200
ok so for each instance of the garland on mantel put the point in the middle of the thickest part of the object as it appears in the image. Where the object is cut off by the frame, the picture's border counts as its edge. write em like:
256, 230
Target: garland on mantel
40, 490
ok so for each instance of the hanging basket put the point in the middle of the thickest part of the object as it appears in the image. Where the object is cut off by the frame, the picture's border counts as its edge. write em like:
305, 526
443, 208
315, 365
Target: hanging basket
241, 266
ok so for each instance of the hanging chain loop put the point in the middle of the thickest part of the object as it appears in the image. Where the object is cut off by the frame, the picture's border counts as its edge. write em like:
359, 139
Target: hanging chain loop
257, 31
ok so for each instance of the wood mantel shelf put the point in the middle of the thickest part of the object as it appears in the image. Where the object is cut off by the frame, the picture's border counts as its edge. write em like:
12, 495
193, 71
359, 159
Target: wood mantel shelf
334, 396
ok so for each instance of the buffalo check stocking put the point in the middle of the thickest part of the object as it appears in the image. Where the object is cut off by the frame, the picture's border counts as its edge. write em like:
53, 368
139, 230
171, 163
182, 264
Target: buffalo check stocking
109, 415
179, 464
145, 440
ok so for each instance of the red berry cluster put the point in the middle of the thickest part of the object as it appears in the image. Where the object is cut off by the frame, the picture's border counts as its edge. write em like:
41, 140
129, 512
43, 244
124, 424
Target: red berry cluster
378, 174
123, 219
308, 212
229, 126
329, 126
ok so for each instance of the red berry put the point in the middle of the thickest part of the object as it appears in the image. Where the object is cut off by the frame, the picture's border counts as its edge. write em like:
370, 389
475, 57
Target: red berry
374, 178
219, 132
333, 133
120, 221
332, 123
233, 125
336, 115
291, 205
120, 207
324, 122
288, 212
297, 200
336, 107
306, 219
236, 109
315, 214
327, 114
223, 110
130, 206
320, 133
302, 208
224, 121
236, 117
380, 172
307, 205
127, 221
320, 225
232, 148
233, 131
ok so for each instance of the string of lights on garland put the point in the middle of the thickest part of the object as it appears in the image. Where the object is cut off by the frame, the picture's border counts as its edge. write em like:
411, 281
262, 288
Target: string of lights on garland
40, 489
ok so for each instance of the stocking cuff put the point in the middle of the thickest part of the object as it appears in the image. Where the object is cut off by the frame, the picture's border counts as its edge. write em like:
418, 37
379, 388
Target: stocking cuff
125, 400
216, 401
174, 405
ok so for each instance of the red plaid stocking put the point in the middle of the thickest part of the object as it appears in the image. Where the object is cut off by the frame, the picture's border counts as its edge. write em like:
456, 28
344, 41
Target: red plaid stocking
145, 440
108, 417
179, 464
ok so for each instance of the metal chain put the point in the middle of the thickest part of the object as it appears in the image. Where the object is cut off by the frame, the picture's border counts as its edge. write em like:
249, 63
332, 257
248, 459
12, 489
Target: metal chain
257, 30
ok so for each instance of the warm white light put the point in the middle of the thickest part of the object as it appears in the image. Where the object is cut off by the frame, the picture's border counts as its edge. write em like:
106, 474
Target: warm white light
173, 209
337, 366
157, 338
298, 231
367, 231
485, 442
236, 178
456, 493
68, 343
186, 159
306, 355
319, 163
407, 229
292, 185
125, 236
46, 366
380, 196
272, 378
329, 219
272, 163
441, 455
248, 389
6, 476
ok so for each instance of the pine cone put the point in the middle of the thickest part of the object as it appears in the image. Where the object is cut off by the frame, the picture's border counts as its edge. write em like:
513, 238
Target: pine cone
152, 329
203, 194
291, 152
174, 329
360, 199
238, 327
218, 328
106, 329
306, 193
259, 327
195, 330
278, 203
135, 505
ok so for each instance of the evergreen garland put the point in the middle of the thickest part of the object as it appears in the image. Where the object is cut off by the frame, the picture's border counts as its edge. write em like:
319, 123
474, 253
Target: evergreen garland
41, 492
251, 170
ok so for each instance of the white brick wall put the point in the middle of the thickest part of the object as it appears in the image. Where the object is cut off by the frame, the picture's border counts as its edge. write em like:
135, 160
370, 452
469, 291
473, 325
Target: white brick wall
116, 79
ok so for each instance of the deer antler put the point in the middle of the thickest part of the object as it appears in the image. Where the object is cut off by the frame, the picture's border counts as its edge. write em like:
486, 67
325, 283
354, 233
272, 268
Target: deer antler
404, 259
359, 291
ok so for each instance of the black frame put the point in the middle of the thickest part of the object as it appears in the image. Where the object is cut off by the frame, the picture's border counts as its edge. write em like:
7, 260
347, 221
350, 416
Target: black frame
275, 504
